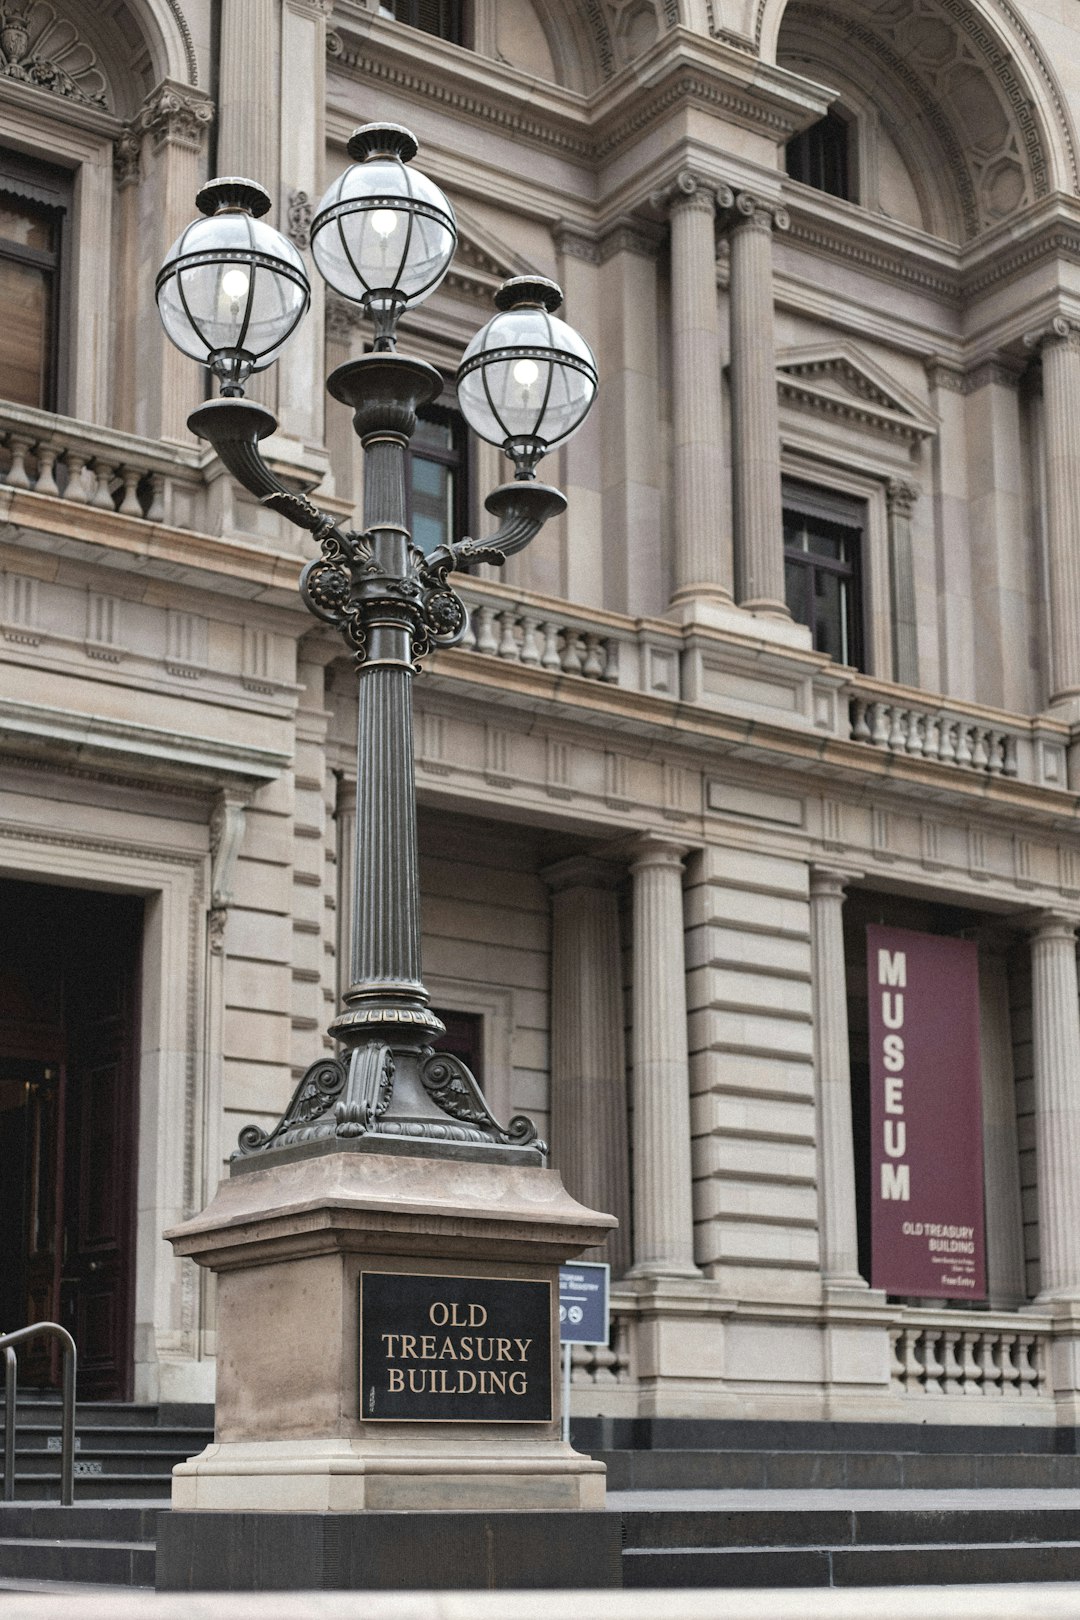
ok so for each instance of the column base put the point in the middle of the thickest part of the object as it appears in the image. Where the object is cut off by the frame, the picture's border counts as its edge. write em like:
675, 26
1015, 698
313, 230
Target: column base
388, 1338
659, 1270
721, 613
402, 1474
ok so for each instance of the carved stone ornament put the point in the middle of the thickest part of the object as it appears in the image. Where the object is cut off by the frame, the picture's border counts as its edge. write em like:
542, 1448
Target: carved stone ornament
127, 154
691, 190
760, 212
1059, 330
174, 114
298, 217
41, 49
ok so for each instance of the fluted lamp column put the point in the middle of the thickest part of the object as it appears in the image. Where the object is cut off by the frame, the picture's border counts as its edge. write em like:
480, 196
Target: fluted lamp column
839, 1241
703, 556
663, 1175
755, 418
1056, 1042
590, 1127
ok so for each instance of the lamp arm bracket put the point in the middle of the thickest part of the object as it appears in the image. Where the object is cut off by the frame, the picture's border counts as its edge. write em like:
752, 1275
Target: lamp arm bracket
234, 428
522, 507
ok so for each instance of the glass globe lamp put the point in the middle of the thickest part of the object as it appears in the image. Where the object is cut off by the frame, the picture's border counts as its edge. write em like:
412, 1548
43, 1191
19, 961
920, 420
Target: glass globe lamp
527, 380
384, 234
232, 290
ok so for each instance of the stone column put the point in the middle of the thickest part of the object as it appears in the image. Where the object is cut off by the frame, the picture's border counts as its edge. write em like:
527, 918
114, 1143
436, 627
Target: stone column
589, 1125
900, 498
1060, 347
839, 1241
755, 418
663, 1176
1001, 1154
703, 566
1056, 1043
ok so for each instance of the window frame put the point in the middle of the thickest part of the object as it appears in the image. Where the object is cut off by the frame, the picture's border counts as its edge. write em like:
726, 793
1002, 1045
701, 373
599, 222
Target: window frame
51, 188
838, 119
457, 460
848, 512
459, 32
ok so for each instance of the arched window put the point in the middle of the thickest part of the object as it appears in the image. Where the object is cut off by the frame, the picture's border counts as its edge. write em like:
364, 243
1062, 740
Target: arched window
820, 157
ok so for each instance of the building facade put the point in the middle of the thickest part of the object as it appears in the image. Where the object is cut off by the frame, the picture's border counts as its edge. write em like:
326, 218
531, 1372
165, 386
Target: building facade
803, 656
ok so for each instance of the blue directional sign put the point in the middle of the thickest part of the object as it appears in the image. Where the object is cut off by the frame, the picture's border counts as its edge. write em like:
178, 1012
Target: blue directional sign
583, 1304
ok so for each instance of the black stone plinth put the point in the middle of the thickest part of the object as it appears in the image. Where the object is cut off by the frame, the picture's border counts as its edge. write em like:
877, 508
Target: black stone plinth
384, 1552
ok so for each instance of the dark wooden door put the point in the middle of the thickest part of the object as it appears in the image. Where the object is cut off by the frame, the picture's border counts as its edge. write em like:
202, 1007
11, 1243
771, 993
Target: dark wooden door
69, 963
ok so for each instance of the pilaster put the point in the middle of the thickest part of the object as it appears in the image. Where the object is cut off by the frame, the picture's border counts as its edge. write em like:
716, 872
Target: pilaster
1059, 345
703, 563
836, 1156
1056, 1044
755, 419
900, 498
663, 1187
588, 1057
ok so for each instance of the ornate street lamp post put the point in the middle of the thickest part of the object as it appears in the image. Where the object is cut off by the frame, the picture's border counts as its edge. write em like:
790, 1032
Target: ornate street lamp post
230, 294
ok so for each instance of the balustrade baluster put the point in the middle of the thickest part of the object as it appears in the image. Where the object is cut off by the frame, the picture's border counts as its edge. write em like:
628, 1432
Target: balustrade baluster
932, 1366
1010, 1371
550, 659
104, 472
1010, 767
620, 1343
991, 1371
17, 475
46, 478
131, 506
593, 667
75, 488
979, 756
947, 744
530, 645
486, 640
508, 645
570, 662
156, 510
963, 743
915, 743
994, 763
972, 1370
880, 734
898, 729
932, 736
913, 1367
860, 731
953, 1384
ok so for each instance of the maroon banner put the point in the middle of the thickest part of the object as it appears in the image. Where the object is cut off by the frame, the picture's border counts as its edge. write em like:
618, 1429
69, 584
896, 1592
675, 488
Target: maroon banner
926, 1158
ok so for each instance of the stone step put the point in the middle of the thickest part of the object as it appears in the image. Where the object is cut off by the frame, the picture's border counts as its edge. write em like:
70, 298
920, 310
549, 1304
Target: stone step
44, 1438
106, 1486
824, 1470
944, 1564
595, 1434
111, 1563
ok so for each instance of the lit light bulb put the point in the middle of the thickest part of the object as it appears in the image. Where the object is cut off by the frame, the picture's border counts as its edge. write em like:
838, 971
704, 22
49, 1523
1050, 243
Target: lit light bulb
384, 221
526, 372
235, 283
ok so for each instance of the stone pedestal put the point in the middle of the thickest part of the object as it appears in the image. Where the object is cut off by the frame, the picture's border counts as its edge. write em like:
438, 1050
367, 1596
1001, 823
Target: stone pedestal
288, 1244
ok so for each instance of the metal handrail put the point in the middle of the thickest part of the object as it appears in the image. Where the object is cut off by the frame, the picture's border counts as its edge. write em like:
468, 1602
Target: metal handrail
8, 1341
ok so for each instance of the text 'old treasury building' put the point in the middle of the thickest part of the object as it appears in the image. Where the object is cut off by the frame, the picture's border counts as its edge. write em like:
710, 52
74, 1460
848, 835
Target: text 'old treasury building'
749, 806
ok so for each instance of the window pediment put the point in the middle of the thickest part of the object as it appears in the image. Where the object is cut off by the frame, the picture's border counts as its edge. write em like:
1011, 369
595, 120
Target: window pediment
840, 381
482, 263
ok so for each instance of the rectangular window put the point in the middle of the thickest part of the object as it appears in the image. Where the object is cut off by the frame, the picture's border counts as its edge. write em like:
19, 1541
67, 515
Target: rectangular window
435, 478
823, 536
444, 18
35, 201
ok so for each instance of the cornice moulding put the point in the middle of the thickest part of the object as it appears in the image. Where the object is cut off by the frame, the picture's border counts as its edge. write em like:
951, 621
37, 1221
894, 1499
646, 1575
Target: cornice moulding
95, 737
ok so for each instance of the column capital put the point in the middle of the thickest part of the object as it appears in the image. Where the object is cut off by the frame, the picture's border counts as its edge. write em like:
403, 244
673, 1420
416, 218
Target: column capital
175, 114
760, 213
1060, 332
1049, 925
692, 189
575, 243
580, 872
831, 881
900, 496
226, 835
653, 849
630, 235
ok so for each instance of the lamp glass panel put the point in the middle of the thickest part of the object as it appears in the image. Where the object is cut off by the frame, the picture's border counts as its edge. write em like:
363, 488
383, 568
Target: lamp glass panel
378, 241
238, 300
530, 391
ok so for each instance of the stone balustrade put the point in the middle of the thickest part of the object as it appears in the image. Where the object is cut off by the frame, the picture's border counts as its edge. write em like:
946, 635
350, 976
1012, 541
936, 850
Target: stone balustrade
594, 1365
560, 645
935, 733
99, 467
944, 1353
